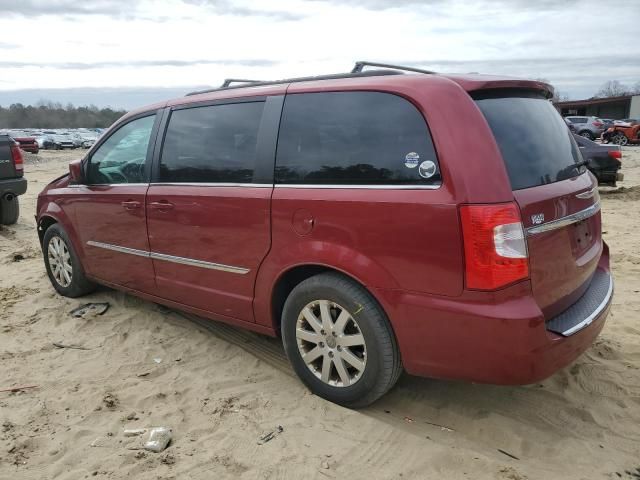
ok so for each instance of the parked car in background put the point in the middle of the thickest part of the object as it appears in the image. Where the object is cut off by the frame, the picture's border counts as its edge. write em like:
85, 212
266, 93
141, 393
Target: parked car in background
588, 127
626, 122
45, 142
570, 125
61, 142
27, 142
603, 160
88, 138
607, 123
12, 181
326, 211
622, 135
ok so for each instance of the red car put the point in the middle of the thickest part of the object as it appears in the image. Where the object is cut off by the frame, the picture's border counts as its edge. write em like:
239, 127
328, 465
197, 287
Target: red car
377, 221
27, 143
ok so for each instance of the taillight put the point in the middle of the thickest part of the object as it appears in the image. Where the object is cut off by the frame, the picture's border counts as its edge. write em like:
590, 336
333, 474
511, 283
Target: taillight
598, 124
18, 160
615, 153
495, 247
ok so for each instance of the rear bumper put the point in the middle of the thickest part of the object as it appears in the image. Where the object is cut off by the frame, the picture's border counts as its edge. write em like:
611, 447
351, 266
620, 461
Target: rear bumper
32, 148
499, 337
15, 186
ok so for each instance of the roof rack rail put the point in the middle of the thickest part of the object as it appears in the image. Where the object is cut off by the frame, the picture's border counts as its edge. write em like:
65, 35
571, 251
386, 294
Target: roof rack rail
359, 66
228, 81
357, 71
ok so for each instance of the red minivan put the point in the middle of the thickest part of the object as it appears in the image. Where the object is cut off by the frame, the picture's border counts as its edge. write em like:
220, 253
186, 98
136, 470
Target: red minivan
377, 221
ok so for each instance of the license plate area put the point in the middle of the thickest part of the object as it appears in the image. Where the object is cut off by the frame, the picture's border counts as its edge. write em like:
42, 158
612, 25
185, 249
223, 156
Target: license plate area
582, 236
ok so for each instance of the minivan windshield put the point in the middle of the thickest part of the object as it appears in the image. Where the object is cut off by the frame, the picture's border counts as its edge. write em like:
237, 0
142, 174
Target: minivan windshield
536, 144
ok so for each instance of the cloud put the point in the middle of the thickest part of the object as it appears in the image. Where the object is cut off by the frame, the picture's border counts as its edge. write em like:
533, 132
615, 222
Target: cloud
129, 9
34, 8
227, 7
519, 5
7, 46
135, 63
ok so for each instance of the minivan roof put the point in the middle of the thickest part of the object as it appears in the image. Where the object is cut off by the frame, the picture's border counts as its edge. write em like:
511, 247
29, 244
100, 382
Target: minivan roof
384, 80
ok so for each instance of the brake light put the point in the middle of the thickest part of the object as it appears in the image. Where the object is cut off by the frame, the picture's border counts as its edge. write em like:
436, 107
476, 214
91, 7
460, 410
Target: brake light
598, 124
615, 153
495, 248
18, 160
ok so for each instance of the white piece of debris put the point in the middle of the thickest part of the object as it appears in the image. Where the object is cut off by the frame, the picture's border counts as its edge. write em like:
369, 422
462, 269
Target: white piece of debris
159, 439
134, 432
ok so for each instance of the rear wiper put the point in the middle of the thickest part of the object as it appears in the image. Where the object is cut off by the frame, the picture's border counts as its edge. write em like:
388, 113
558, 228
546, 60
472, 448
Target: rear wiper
583, 163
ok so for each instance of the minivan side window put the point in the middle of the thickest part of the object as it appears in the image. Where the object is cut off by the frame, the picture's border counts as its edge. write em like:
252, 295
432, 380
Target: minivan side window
211, 144
121, 158
354, 138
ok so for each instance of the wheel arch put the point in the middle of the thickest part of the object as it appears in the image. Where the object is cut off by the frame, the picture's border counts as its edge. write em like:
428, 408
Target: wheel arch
50, 214
294, 275
44, 223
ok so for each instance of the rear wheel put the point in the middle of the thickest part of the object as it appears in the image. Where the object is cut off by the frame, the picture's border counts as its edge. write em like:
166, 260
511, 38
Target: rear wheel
587, 134
339, 341
9, 209
63, 265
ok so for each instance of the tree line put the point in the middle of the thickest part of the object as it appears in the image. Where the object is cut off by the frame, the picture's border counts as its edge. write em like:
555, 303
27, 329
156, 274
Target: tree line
614, 88
55, 115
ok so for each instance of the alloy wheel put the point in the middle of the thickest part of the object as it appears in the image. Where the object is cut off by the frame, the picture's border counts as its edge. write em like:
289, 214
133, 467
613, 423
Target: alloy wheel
620, 139
60, 261
331, 343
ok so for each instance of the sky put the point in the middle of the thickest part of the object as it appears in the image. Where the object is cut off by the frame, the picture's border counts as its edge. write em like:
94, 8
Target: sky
126, 53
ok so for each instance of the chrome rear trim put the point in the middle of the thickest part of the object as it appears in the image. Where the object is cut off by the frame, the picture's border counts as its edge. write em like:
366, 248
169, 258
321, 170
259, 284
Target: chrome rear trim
587, 321
564, 221
170, 258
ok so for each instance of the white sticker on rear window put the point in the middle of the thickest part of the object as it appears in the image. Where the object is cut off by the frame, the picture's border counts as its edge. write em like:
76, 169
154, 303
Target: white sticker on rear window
411, 160
427, 169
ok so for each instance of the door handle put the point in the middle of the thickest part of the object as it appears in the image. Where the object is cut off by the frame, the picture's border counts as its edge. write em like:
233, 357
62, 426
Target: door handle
131, 204
162, 205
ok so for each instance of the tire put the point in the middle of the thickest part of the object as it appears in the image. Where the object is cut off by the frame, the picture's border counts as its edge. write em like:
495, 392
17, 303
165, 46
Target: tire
346, 384
58, 250
9, 209
587, 134
620, 139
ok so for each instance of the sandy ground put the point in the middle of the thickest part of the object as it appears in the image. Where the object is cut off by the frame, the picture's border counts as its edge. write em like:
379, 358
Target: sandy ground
220, 389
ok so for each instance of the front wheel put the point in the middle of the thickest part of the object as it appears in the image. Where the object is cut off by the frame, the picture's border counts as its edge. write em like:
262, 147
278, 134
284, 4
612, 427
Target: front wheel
339, 341
63, 265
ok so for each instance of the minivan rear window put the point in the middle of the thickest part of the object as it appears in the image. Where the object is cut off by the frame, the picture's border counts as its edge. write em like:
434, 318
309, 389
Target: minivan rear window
536, 145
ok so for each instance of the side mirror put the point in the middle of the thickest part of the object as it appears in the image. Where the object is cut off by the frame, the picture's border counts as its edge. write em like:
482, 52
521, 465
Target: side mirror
75, 171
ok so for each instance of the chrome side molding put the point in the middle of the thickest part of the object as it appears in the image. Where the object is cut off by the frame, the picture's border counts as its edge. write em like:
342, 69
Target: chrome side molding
198, 263
117, 248
564, 221
358, 186
170, 258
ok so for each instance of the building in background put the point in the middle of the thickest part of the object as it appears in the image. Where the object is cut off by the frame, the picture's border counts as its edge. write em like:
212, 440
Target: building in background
626, 106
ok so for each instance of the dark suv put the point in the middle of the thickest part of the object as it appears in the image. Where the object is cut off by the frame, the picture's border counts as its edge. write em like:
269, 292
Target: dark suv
377, 221
12, 181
